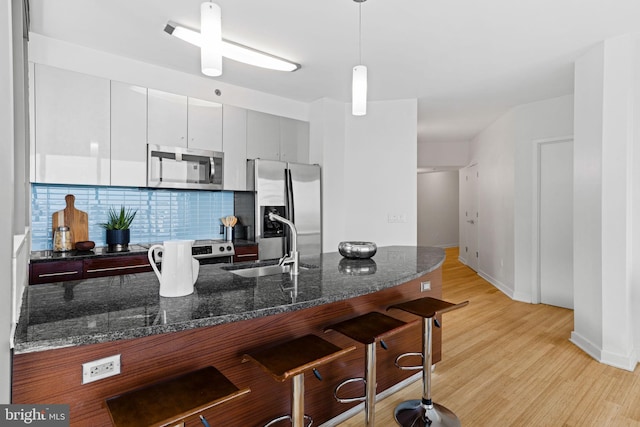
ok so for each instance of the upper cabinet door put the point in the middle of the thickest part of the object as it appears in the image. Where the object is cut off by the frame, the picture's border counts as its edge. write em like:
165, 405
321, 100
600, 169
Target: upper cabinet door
71, 127
294, 140
128, 135
204, 125
263, 136
167, 118
235, 148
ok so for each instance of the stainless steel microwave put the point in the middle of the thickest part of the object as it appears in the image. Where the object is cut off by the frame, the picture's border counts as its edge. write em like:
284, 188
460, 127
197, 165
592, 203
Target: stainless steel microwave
187, 168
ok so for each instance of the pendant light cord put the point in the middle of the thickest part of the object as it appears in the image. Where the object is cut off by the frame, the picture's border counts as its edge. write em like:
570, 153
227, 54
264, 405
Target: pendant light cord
360, 32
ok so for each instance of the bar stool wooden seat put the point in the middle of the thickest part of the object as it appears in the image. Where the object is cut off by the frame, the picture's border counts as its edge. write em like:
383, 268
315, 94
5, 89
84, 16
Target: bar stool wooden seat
170, 401
292, 359
368, 329
424, 412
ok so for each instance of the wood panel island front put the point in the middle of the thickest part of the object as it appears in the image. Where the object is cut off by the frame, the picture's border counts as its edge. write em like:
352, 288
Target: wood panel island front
63, 325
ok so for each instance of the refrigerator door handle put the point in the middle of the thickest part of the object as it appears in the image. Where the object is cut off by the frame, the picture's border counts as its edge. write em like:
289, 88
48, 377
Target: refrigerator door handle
290, 202
289, 207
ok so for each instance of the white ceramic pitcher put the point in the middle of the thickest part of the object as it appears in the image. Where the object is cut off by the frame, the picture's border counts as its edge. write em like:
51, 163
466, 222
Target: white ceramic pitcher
179, 268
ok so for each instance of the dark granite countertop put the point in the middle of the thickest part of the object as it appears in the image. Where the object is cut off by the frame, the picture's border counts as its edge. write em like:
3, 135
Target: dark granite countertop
106, 309
102, 251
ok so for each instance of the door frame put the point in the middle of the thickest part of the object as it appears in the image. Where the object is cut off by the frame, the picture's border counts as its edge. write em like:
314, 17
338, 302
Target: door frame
535, 221
464, 196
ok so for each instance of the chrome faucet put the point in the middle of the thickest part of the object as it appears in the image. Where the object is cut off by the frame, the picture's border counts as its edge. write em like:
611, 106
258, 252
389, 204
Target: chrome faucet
293, 258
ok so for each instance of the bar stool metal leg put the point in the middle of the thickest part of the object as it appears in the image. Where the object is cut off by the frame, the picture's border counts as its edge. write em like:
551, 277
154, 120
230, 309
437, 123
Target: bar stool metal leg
370, 384
297, 404
424, 412
368, 329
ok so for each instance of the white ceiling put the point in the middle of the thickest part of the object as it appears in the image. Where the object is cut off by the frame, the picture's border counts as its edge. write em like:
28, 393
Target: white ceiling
466, 61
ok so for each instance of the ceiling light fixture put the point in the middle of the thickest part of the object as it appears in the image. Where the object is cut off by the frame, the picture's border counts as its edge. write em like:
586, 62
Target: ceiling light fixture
359, 83
211, 39
234, 51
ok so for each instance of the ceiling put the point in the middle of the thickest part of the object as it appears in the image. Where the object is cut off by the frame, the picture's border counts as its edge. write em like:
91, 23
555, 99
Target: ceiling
466, 61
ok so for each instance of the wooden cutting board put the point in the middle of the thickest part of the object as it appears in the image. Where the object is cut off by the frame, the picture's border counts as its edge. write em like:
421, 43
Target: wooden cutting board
76, 220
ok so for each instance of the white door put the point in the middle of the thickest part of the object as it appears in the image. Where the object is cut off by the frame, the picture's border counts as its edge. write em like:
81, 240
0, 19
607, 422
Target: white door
470, 251
555, 241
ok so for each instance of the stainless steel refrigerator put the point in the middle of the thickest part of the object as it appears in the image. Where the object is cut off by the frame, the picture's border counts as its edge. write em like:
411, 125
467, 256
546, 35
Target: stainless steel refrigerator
292, 190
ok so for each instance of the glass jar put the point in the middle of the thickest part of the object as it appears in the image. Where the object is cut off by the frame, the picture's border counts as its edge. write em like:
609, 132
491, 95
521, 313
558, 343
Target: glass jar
62, 239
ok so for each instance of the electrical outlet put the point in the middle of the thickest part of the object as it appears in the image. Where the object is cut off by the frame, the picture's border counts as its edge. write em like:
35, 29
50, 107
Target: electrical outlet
394, 218
425, 286
101, 368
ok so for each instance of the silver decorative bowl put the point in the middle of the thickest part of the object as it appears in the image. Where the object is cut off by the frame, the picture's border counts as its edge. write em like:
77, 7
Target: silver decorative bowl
357, 250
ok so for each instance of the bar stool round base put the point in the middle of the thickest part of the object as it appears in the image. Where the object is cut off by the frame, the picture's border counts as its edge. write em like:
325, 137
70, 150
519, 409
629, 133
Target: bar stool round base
414, 413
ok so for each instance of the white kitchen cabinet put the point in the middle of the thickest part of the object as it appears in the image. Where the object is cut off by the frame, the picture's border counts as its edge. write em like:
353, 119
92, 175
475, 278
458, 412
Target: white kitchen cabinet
128, 135
277, 138
234, 145
166, 118
72, 132
181, 121
263, 136
294, 140
204, 124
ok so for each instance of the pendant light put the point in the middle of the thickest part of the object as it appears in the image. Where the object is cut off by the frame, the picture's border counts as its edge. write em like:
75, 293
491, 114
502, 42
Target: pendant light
211, 39
359, 83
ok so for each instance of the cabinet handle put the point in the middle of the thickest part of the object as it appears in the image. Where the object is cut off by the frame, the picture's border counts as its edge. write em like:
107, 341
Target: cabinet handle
126, 267
245, 255
62, 273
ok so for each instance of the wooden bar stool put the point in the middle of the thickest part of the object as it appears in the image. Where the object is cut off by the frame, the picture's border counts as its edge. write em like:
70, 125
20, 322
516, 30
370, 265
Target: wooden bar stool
424, 412
367, 329
292, 359
171, 401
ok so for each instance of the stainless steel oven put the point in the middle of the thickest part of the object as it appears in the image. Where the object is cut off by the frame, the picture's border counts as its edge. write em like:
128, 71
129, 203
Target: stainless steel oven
213, 251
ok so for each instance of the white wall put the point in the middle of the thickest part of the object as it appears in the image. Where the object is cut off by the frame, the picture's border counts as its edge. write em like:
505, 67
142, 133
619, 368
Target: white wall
6, 192
369, 171
635, 196
504, 154
443, 154
327, 148
605, 271
380, 173
438, 201
56, 53
552, 118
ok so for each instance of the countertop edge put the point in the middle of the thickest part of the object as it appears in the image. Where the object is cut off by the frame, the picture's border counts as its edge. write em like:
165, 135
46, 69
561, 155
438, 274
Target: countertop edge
141, 332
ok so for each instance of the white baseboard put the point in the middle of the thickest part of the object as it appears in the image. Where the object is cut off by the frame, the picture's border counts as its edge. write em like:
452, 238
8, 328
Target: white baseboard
499, 285
627, 362
585, 345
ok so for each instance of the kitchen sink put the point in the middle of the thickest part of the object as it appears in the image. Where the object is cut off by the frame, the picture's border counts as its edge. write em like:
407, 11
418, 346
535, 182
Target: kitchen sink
268, 268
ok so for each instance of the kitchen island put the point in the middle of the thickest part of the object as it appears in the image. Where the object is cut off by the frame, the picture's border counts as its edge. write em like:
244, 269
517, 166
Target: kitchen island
64, 325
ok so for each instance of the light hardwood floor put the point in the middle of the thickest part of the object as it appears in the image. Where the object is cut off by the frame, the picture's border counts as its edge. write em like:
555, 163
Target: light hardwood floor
508, 363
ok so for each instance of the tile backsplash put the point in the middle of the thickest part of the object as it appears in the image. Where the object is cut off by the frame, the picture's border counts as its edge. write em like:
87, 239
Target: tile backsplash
161, 214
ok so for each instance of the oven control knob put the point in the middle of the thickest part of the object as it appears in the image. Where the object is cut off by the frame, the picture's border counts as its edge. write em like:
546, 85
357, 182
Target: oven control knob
229, 248
221, 248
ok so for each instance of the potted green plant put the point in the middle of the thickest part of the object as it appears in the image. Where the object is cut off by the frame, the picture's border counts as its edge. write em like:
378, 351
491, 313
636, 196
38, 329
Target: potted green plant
117, 226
